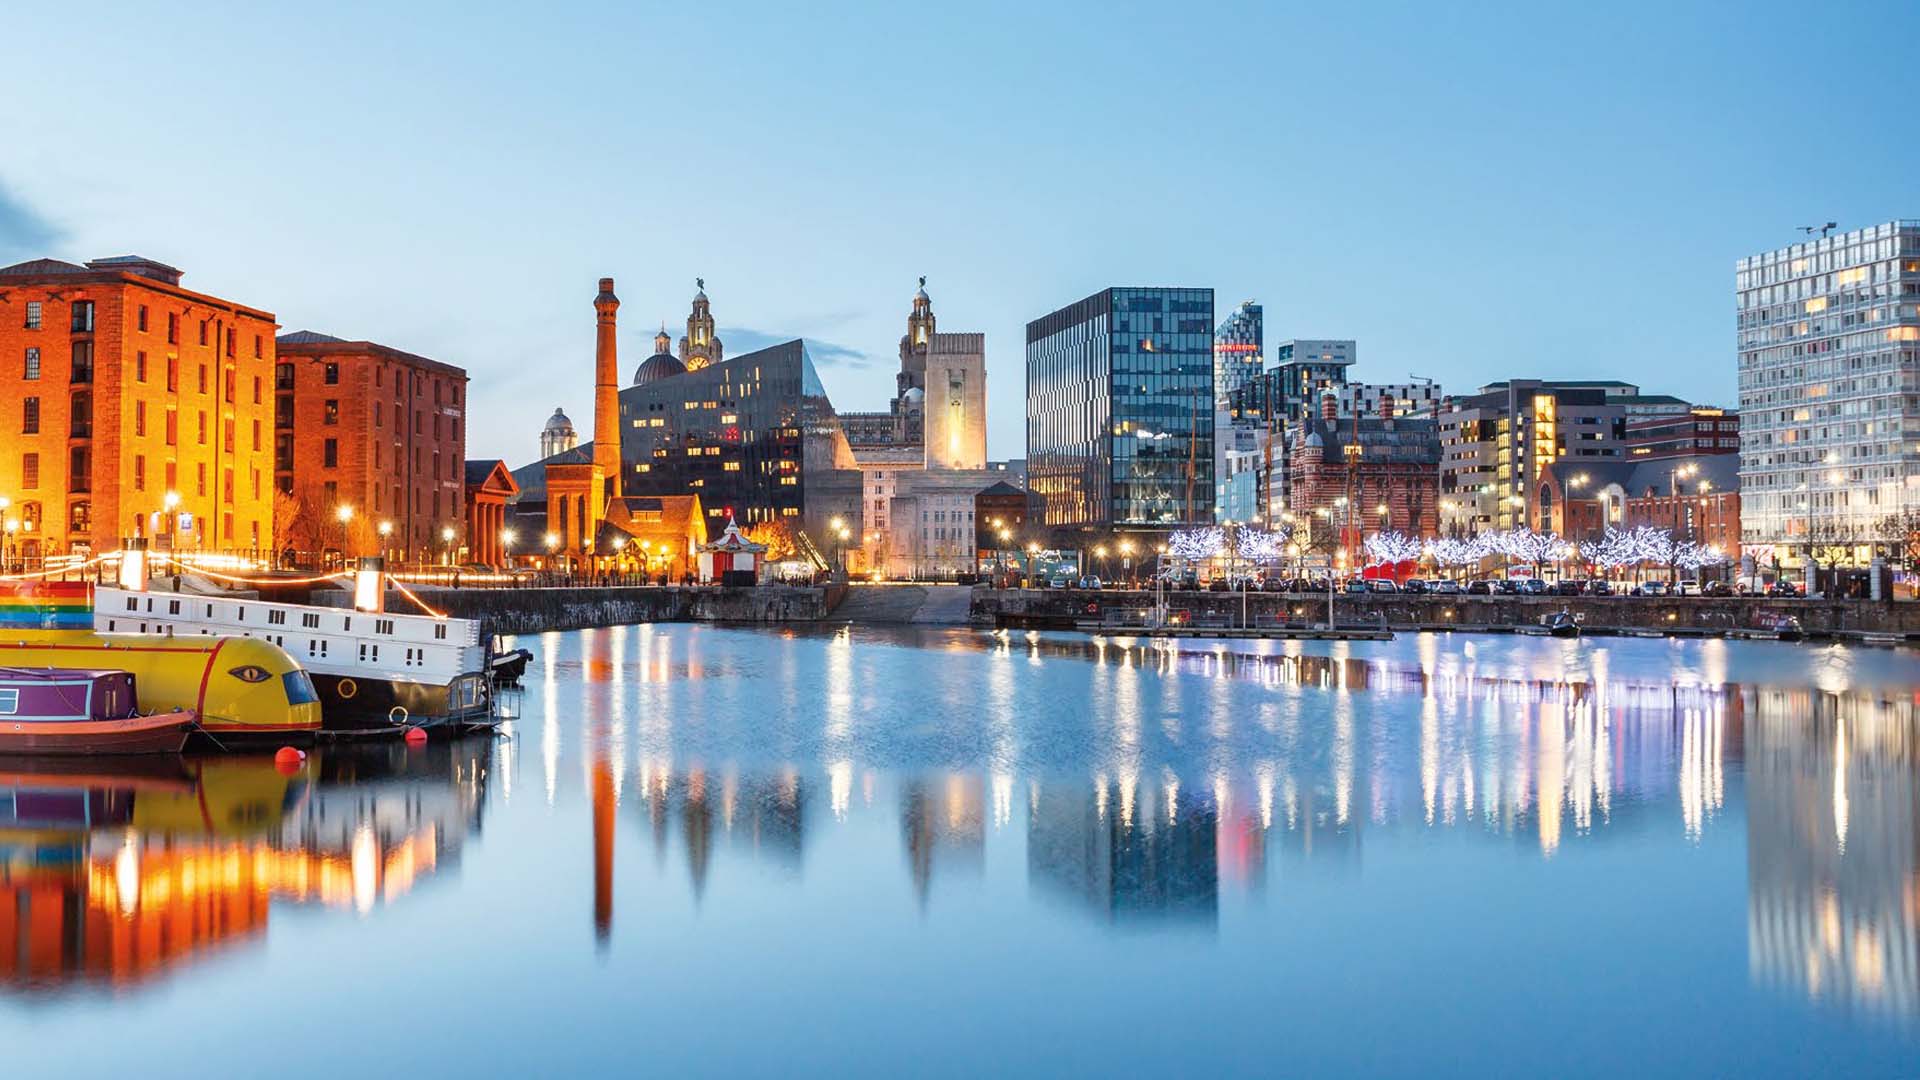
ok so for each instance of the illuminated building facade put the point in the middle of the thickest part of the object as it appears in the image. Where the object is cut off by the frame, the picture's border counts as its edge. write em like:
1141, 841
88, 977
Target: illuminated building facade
117, 386
1829, 339
1695, 498
1238, 349
1498, 443
1274, 403
373, 431
1120, 409
1362, 474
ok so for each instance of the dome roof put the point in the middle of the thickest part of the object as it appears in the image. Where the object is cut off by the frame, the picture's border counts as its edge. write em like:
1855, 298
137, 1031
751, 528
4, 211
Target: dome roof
914, 393
558, 422
656, 367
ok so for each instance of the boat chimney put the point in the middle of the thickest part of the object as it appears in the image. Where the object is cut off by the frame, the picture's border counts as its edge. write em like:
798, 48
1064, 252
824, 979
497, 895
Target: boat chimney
133, 564
370, 585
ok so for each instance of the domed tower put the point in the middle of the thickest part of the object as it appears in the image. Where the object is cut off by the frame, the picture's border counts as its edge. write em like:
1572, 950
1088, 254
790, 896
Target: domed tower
661, 365
913, 345
700, 347
558, 436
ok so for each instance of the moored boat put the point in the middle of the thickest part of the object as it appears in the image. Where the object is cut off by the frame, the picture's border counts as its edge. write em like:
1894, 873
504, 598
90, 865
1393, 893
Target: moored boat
241, 689
1781, 626
373, 672
1561, 624
81, 711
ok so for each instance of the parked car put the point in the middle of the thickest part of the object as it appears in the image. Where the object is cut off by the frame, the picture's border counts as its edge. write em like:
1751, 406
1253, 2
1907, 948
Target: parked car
1783, 588
1568, 587
1506, 586
1445, 588
1414, 585
1060, 581
1480, 588
1356, 585
1091, 583
1218, 584
1599, 587
1382, 585
1687, 588
1716, 588
1650, 588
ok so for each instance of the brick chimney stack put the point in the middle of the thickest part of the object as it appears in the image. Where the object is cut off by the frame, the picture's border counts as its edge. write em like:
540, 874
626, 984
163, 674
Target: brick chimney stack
606, 389
1329, 405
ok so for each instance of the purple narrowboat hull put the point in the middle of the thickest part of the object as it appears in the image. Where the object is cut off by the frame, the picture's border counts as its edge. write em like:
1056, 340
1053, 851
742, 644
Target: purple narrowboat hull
74, 711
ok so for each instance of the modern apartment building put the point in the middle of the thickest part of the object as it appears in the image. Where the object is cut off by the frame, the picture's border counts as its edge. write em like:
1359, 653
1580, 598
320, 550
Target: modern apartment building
1497, 443
1120, 408
1829, 347
1238, 353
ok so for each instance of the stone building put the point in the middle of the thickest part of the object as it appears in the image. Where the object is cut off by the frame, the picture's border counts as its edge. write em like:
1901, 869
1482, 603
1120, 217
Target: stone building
118, 387
375, 432
558, 435
1362, 474
1696, 497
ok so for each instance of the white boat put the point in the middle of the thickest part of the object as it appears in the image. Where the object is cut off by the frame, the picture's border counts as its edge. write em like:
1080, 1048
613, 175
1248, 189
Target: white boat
373, 670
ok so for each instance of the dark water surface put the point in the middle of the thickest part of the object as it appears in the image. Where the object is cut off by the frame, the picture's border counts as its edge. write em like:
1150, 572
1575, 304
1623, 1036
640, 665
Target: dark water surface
947, 852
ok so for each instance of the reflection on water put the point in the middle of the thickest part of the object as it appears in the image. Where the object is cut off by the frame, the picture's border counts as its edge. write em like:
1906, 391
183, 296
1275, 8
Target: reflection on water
1120, 789
117, 870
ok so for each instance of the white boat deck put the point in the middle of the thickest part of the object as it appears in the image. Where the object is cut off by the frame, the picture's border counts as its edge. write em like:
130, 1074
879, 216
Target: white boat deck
327, 641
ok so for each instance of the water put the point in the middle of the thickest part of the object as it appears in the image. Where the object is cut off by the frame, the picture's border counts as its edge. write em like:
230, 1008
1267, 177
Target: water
732, 851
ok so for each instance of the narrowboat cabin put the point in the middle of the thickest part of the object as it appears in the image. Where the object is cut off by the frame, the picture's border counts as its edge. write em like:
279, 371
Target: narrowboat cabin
81, 711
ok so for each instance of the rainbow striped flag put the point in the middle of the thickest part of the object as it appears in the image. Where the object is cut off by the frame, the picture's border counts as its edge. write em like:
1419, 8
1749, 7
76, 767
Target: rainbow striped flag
46, 605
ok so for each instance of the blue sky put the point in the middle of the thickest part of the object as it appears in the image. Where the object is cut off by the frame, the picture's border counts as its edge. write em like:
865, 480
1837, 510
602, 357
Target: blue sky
1474, 194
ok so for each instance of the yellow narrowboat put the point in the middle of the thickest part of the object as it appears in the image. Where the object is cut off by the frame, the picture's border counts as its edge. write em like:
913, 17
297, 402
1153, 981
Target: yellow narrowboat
245, 690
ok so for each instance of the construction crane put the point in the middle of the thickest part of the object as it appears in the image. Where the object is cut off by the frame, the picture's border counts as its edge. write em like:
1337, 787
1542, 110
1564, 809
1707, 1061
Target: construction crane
1823, 230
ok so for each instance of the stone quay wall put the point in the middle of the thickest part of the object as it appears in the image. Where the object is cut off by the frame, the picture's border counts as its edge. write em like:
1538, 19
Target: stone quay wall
1063, 608
533, 611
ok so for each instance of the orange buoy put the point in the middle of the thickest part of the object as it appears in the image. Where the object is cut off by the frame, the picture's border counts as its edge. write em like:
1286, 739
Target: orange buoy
288, 760
416, 736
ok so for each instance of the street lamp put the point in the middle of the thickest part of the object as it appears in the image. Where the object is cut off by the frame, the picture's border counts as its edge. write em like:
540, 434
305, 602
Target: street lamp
506, 546
446, 540
344, 514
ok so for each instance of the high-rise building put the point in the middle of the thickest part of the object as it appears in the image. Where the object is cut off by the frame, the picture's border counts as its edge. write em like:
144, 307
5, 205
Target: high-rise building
373, 433
1496, 445
1275, 402
1120, 409
1238, 353
119, 389
1829, 343
1407, 399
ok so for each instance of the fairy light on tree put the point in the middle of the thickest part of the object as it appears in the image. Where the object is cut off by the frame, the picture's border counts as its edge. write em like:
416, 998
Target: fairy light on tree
1261, 545
1197, 545
1391, 547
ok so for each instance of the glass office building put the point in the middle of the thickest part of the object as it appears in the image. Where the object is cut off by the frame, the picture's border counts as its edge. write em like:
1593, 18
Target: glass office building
754, 436
1120, 410
1829, 340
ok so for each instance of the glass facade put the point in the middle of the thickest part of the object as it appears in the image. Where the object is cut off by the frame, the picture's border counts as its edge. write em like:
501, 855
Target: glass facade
748, 435
1120, 411
1237, 349
1829, 342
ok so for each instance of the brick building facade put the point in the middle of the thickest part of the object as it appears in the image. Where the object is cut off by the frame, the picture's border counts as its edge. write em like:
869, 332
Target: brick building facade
118, 387
378, 431
1695, 498
1386, 467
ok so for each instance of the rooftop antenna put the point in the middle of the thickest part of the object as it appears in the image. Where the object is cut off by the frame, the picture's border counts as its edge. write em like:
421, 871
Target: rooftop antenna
1823, 230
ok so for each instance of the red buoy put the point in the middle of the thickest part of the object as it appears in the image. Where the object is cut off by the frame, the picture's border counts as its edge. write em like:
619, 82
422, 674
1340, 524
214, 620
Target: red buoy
288, 760
416, 736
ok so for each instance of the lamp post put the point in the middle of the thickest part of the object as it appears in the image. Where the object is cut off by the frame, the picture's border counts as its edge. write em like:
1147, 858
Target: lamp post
506, 548
446, 543
385, 529
169, 504
344, 514
1126, 561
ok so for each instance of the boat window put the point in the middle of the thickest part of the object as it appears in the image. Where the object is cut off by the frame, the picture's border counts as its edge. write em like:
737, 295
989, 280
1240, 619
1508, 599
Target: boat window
310, 621
9, 701
363, 652
109, 625
240, 614
276, 618
133, 603
376, 654
440, 631
149, 604
173, 607
209, 611
313, 647
299, 688
346, 623
383, 626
